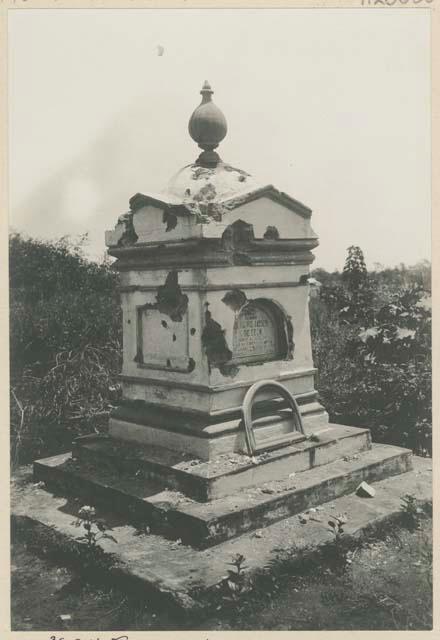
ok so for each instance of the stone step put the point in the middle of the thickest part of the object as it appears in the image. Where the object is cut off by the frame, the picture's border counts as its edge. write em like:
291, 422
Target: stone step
227, 474
206, 524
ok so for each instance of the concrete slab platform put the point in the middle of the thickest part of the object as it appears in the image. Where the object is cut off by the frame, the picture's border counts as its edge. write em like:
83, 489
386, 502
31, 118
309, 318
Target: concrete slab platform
207, 523
182, 574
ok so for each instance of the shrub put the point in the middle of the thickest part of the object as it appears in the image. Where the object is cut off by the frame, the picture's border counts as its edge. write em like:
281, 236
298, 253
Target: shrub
65, 339
373, 354
394, 390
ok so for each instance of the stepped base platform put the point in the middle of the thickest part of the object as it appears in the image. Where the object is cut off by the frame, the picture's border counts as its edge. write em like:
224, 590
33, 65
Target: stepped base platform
235, 495
188, 577
225, 474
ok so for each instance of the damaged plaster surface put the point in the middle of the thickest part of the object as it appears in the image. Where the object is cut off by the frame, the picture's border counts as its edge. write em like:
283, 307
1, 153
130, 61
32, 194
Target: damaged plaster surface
169, 219
235, 299
129, 235
169, 299
216, 347
236, 240
271, 233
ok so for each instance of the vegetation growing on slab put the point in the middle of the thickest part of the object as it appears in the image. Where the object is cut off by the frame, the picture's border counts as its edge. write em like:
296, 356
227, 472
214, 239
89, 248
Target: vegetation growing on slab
95, 529
236, 583
411, 511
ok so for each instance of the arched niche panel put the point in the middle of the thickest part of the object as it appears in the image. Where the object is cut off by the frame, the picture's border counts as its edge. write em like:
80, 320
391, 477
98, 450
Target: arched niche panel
262, 332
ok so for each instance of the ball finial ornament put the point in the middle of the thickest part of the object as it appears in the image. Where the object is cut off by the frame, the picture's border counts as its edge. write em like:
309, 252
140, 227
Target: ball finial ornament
207, 126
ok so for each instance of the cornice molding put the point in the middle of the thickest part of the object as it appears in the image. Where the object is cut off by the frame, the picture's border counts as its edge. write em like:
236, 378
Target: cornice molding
210, 252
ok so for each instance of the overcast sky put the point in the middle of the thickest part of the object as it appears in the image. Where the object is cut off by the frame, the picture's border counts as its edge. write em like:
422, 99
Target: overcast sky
331, 106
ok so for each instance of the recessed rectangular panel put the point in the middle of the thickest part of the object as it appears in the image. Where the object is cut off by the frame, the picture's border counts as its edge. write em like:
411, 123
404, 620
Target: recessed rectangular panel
162, 343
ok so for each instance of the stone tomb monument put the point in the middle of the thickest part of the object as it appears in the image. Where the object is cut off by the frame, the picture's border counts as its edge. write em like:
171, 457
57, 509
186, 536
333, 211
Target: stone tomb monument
220, 430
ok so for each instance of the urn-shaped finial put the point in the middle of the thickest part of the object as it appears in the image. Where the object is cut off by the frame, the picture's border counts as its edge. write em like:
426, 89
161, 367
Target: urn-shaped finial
207, 126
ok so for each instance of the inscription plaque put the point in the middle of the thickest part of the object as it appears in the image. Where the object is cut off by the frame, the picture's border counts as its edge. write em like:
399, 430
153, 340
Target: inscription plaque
255, 335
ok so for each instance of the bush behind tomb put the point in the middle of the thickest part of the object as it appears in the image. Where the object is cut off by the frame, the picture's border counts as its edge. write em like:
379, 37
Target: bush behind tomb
65, 344
373, 353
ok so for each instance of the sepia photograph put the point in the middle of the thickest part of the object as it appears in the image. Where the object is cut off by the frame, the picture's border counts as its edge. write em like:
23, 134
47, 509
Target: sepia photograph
220, 353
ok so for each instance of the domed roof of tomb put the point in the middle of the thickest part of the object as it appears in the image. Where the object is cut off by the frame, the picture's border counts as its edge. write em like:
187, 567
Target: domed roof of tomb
197, 183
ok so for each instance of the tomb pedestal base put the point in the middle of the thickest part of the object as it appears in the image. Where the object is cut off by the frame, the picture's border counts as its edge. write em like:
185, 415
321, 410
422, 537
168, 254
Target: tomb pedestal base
206, 437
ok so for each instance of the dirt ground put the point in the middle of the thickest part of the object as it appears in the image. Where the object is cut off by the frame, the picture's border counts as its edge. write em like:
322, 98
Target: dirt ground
386, 584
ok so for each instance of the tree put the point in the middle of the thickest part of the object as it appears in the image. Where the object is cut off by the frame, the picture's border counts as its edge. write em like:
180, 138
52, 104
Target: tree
358, 288
355, 274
